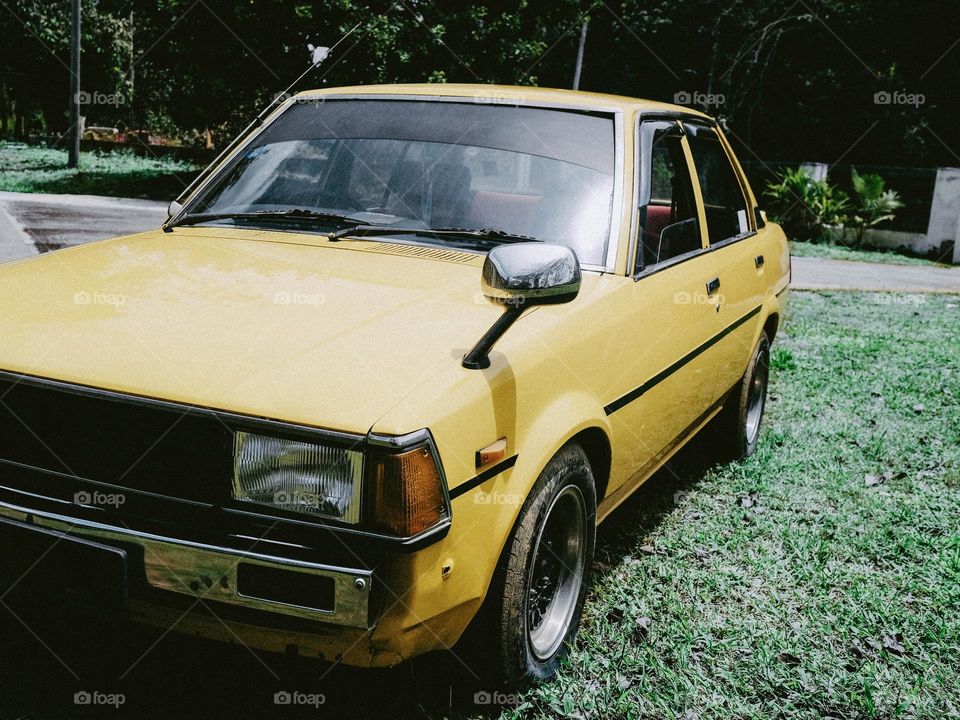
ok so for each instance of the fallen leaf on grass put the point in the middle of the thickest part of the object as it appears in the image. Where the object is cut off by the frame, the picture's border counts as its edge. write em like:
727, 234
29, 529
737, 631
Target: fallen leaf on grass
648, 550
788, 659
894, 644
615, 615
750, 500
872, 480
642, 629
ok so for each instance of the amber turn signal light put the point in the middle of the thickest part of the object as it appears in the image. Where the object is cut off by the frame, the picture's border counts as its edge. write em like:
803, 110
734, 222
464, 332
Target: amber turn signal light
494, 452
406, 492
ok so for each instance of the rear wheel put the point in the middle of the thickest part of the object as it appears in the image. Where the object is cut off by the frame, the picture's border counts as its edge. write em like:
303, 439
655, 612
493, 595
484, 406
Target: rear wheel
542, 582
739, 421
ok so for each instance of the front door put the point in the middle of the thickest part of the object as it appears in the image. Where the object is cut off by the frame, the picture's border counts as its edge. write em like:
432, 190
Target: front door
668, 374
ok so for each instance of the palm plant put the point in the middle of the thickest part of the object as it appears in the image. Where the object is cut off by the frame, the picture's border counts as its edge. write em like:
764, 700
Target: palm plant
873, 203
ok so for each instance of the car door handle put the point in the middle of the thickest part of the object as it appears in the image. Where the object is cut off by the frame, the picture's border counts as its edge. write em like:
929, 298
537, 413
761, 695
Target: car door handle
713, 286
758, 261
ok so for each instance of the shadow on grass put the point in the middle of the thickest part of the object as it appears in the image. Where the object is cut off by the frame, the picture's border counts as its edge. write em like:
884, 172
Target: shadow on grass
47, 658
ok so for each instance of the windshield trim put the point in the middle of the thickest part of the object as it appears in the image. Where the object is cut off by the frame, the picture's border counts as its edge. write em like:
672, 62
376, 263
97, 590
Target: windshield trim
616, 205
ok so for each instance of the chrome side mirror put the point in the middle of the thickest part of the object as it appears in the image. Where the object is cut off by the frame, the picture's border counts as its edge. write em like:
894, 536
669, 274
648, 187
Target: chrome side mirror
173, 209
521, 275
531, 274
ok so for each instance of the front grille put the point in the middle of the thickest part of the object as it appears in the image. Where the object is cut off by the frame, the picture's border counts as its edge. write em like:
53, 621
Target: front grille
109, 440
68, 450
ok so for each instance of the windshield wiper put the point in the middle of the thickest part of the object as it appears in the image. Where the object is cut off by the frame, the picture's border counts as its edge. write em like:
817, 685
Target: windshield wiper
294, 214
482, 234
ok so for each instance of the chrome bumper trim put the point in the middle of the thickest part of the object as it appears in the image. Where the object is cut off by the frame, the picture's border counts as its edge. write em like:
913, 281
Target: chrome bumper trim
208, 572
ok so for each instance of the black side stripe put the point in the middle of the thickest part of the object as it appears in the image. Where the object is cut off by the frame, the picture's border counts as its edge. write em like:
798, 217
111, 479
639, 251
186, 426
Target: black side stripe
483, 477
664, 374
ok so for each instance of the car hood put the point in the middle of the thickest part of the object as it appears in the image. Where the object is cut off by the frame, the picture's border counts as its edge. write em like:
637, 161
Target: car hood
279, 325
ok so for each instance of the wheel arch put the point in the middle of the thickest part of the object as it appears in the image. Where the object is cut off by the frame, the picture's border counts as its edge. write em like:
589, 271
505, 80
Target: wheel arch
771, 325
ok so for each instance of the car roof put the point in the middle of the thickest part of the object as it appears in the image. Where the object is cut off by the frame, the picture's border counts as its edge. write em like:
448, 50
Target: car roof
512, 94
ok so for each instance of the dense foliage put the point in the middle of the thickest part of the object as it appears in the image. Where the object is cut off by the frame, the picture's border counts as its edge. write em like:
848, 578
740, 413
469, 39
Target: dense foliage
815, 210
867, 81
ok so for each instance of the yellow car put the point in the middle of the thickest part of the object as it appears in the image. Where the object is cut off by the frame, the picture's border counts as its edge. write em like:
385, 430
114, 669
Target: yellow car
384, 369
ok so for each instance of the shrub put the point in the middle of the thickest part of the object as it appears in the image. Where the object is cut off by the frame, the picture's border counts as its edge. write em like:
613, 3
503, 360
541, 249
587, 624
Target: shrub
807, 209
873, 204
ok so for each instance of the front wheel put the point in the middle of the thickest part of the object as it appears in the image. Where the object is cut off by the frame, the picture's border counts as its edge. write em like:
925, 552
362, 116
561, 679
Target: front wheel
542, 581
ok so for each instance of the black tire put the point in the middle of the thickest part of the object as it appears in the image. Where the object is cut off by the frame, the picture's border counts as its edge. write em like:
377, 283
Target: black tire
740, 420
526, 651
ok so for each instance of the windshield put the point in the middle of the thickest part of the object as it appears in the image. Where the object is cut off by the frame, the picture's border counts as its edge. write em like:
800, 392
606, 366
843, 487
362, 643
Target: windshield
536, 172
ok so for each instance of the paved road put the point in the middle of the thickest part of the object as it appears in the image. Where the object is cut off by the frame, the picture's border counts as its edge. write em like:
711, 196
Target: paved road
31, 223
39, 222
821, 274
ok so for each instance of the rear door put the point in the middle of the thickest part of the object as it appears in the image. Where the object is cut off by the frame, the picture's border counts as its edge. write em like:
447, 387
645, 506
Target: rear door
738, 259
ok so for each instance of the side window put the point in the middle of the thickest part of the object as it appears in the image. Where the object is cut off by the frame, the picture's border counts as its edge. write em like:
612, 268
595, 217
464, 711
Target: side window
667, 209
723, 200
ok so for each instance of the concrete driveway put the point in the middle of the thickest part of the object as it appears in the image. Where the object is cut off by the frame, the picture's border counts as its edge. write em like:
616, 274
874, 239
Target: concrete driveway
38, 222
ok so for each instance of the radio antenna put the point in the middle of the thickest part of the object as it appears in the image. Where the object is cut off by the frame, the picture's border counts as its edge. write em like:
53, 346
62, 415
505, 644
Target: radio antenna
318, 55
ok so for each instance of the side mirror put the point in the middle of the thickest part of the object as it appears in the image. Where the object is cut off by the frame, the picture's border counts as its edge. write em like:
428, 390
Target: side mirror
173, 209
531, 274
519, 275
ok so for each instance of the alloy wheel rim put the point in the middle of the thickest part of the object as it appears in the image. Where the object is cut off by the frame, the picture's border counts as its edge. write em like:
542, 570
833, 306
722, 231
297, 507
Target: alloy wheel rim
757, 396
556, 573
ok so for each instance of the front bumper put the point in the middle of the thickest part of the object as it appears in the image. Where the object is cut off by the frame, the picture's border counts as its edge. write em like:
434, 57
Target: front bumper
254, 581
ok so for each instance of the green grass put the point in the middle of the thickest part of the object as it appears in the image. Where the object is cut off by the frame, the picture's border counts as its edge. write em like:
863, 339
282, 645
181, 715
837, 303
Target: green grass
831, 251
785, 585
30, 168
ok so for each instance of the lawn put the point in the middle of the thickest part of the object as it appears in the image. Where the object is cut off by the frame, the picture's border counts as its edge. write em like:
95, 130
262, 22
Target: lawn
832, 251
31, 168
819, 578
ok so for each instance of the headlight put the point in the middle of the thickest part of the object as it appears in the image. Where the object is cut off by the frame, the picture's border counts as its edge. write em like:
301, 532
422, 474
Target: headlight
395, 487
303, 477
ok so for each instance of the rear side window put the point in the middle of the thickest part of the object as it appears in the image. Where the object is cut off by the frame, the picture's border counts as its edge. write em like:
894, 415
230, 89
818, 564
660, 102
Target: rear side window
723, 200
667, 209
